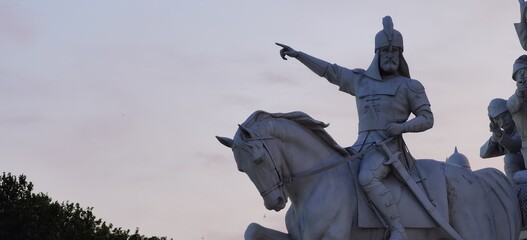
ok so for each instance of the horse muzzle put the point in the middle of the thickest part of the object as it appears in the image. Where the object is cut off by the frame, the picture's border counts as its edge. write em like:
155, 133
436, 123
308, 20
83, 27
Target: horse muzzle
275, 203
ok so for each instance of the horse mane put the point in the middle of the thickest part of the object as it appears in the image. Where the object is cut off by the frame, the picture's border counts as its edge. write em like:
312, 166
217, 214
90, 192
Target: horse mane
304, 120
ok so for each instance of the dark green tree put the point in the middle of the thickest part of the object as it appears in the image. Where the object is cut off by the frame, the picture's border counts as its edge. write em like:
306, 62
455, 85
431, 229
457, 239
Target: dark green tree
25, 215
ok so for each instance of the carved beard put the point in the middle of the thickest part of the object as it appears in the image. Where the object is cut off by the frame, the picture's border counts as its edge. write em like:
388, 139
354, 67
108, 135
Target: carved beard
521, 85
389, 68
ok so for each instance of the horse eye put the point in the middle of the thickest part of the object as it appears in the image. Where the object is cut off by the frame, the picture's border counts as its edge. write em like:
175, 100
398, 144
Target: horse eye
259, 160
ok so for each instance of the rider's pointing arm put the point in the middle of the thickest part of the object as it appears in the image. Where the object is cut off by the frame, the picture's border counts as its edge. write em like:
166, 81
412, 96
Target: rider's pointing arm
332, 72
316, 65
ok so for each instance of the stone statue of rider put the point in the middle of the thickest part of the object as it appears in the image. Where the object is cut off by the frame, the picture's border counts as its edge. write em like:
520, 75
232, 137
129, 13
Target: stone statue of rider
385, 96
517, 103
504, 141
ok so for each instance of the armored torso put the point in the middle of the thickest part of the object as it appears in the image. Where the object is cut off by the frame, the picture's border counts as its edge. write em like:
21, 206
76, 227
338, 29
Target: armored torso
378, 103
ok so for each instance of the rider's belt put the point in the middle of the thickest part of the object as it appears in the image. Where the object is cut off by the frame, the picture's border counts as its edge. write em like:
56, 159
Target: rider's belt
372, 124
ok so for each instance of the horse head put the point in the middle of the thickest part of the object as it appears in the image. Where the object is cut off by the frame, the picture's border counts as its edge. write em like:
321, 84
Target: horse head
272, 148
252, 148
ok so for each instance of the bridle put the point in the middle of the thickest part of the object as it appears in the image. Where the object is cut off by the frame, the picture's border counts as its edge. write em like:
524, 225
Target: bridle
280, 182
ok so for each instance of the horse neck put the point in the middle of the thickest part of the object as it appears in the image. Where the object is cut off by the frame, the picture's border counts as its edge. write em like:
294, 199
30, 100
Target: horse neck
301, 149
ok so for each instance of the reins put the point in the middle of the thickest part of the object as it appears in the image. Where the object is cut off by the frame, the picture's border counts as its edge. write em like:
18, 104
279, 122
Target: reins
328, 165
290, 179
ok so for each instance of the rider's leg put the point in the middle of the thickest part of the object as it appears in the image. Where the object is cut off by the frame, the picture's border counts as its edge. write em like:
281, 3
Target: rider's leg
372, 171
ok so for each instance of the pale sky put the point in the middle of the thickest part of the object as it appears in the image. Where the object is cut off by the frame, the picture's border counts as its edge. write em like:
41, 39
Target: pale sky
115, 104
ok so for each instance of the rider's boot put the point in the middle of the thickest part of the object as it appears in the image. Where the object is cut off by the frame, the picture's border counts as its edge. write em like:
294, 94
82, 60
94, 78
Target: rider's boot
385, 204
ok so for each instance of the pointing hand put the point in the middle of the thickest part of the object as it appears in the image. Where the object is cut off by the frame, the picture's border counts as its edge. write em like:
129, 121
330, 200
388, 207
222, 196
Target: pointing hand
287, 51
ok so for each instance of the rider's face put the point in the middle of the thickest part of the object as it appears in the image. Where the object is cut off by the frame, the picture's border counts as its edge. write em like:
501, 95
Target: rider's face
505, 122
521, 79
389, 59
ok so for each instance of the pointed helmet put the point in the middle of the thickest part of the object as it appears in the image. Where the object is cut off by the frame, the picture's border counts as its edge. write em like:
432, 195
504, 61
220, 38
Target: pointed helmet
388, 36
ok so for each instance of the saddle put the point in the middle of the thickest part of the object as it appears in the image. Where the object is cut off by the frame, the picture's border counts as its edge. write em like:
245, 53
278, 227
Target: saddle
428, 174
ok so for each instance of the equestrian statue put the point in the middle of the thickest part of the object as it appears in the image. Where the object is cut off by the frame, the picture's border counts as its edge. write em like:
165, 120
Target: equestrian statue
374, 189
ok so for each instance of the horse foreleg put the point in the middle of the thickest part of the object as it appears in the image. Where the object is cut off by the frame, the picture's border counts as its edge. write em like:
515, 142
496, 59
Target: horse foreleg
256, 231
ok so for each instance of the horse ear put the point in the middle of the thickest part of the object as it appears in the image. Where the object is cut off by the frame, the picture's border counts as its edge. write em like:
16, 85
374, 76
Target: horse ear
227, 142
245, 131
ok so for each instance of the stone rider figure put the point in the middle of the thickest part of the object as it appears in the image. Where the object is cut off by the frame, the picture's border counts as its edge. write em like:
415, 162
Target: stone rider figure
385, 96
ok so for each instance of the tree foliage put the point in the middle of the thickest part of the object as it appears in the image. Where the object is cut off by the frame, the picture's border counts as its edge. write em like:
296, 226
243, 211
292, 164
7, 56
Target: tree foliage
25, 215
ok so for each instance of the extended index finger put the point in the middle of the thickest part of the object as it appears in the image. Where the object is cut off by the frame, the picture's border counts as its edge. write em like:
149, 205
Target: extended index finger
285, 46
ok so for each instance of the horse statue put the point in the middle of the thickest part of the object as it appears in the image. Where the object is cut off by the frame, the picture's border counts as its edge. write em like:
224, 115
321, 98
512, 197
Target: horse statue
290, 156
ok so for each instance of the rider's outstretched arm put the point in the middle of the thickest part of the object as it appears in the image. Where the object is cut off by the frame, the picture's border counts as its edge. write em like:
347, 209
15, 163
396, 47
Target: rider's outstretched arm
331, 72
316, 65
